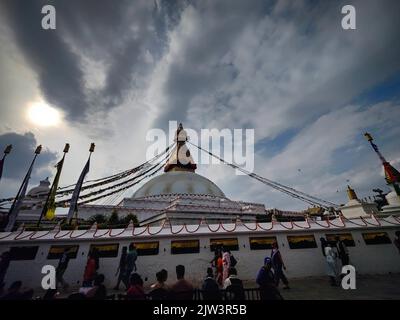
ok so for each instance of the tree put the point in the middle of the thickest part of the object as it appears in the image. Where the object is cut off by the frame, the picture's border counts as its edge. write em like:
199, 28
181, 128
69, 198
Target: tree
263, 218
114, 219
128, 218
99, 218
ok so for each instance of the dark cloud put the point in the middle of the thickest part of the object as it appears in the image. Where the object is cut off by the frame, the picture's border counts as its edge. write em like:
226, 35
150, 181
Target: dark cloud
18, 161
57, 67
284, 64
119, 35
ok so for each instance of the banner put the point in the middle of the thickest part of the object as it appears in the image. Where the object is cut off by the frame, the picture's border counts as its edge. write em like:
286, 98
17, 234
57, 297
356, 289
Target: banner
49, 208
18, 200
75, 196
1, 167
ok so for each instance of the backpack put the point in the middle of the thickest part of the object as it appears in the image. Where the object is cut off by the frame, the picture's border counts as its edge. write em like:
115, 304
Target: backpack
233, 261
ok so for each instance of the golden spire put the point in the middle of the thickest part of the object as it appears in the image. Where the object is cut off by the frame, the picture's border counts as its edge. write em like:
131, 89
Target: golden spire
180, 159
351, 193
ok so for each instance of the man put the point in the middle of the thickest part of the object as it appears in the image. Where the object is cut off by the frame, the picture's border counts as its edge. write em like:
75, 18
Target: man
121, 268
182, 289
266, 281
210, 288
234, 286
130, 263
278, 265
343, 252
62, 267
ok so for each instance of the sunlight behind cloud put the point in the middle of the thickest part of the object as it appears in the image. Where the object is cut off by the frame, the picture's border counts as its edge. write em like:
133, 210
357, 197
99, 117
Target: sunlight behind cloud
42, 114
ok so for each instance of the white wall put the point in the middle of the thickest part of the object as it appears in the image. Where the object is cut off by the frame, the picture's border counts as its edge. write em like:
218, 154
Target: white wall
371, 259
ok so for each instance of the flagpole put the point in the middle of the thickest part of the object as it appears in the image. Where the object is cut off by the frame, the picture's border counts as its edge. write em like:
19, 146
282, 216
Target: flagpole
14, 210
73, 209
7, 150
392, 175
54, 185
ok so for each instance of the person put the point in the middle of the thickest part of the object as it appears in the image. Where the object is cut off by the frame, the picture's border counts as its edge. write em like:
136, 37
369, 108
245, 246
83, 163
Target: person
226, 263
343, 252
278, 265
121, 271
4, 264
210, 288
266, 282
90, 269
130, 263
324, 243
14, 292
331, 263
214, 261
220, 269
135, 291
234, 286
50, 294
159, 290
397, 240
99, 291
181, 289
62, 267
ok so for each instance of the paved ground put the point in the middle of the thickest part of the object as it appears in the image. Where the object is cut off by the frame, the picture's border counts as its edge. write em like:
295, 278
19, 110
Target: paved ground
369, 287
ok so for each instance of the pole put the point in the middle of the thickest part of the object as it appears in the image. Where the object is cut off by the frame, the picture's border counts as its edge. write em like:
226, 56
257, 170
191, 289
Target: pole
54, 185
14, 210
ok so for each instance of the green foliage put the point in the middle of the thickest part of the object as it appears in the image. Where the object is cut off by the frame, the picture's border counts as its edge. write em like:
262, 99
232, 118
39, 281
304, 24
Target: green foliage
128, 218
99, 218
113, 219
263, 218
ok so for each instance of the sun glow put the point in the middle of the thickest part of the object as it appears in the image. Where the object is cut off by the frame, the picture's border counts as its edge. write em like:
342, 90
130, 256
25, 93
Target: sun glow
42, 114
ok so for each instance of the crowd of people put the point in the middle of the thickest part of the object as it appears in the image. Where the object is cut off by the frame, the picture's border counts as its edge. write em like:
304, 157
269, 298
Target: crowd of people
221, 277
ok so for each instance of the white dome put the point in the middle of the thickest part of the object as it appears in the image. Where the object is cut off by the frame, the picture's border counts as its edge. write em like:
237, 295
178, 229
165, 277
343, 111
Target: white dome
41, 190
178, 182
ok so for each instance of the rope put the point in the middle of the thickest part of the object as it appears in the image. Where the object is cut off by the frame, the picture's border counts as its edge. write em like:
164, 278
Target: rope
393, 223
259, 226
288, 228
95, 236
177, 231
248, 228
277, 186
219, 227
321, 225
31, 237
308, 223
114, 177
341, 219
234, 227
68, 232
357, 224
372, 224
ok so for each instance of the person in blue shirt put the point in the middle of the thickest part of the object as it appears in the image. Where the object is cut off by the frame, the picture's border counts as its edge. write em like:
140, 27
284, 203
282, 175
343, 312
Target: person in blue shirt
266, 281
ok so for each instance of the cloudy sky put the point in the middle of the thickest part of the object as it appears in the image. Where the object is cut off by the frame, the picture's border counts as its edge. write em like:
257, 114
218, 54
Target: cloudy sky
115, 69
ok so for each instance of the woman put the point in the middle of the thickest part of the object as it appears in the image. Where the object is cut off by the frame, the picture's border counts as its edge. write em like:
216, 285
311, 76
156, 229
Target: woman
226, 261
220, 268
331, 263
214, 261
135, 291
90, 270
